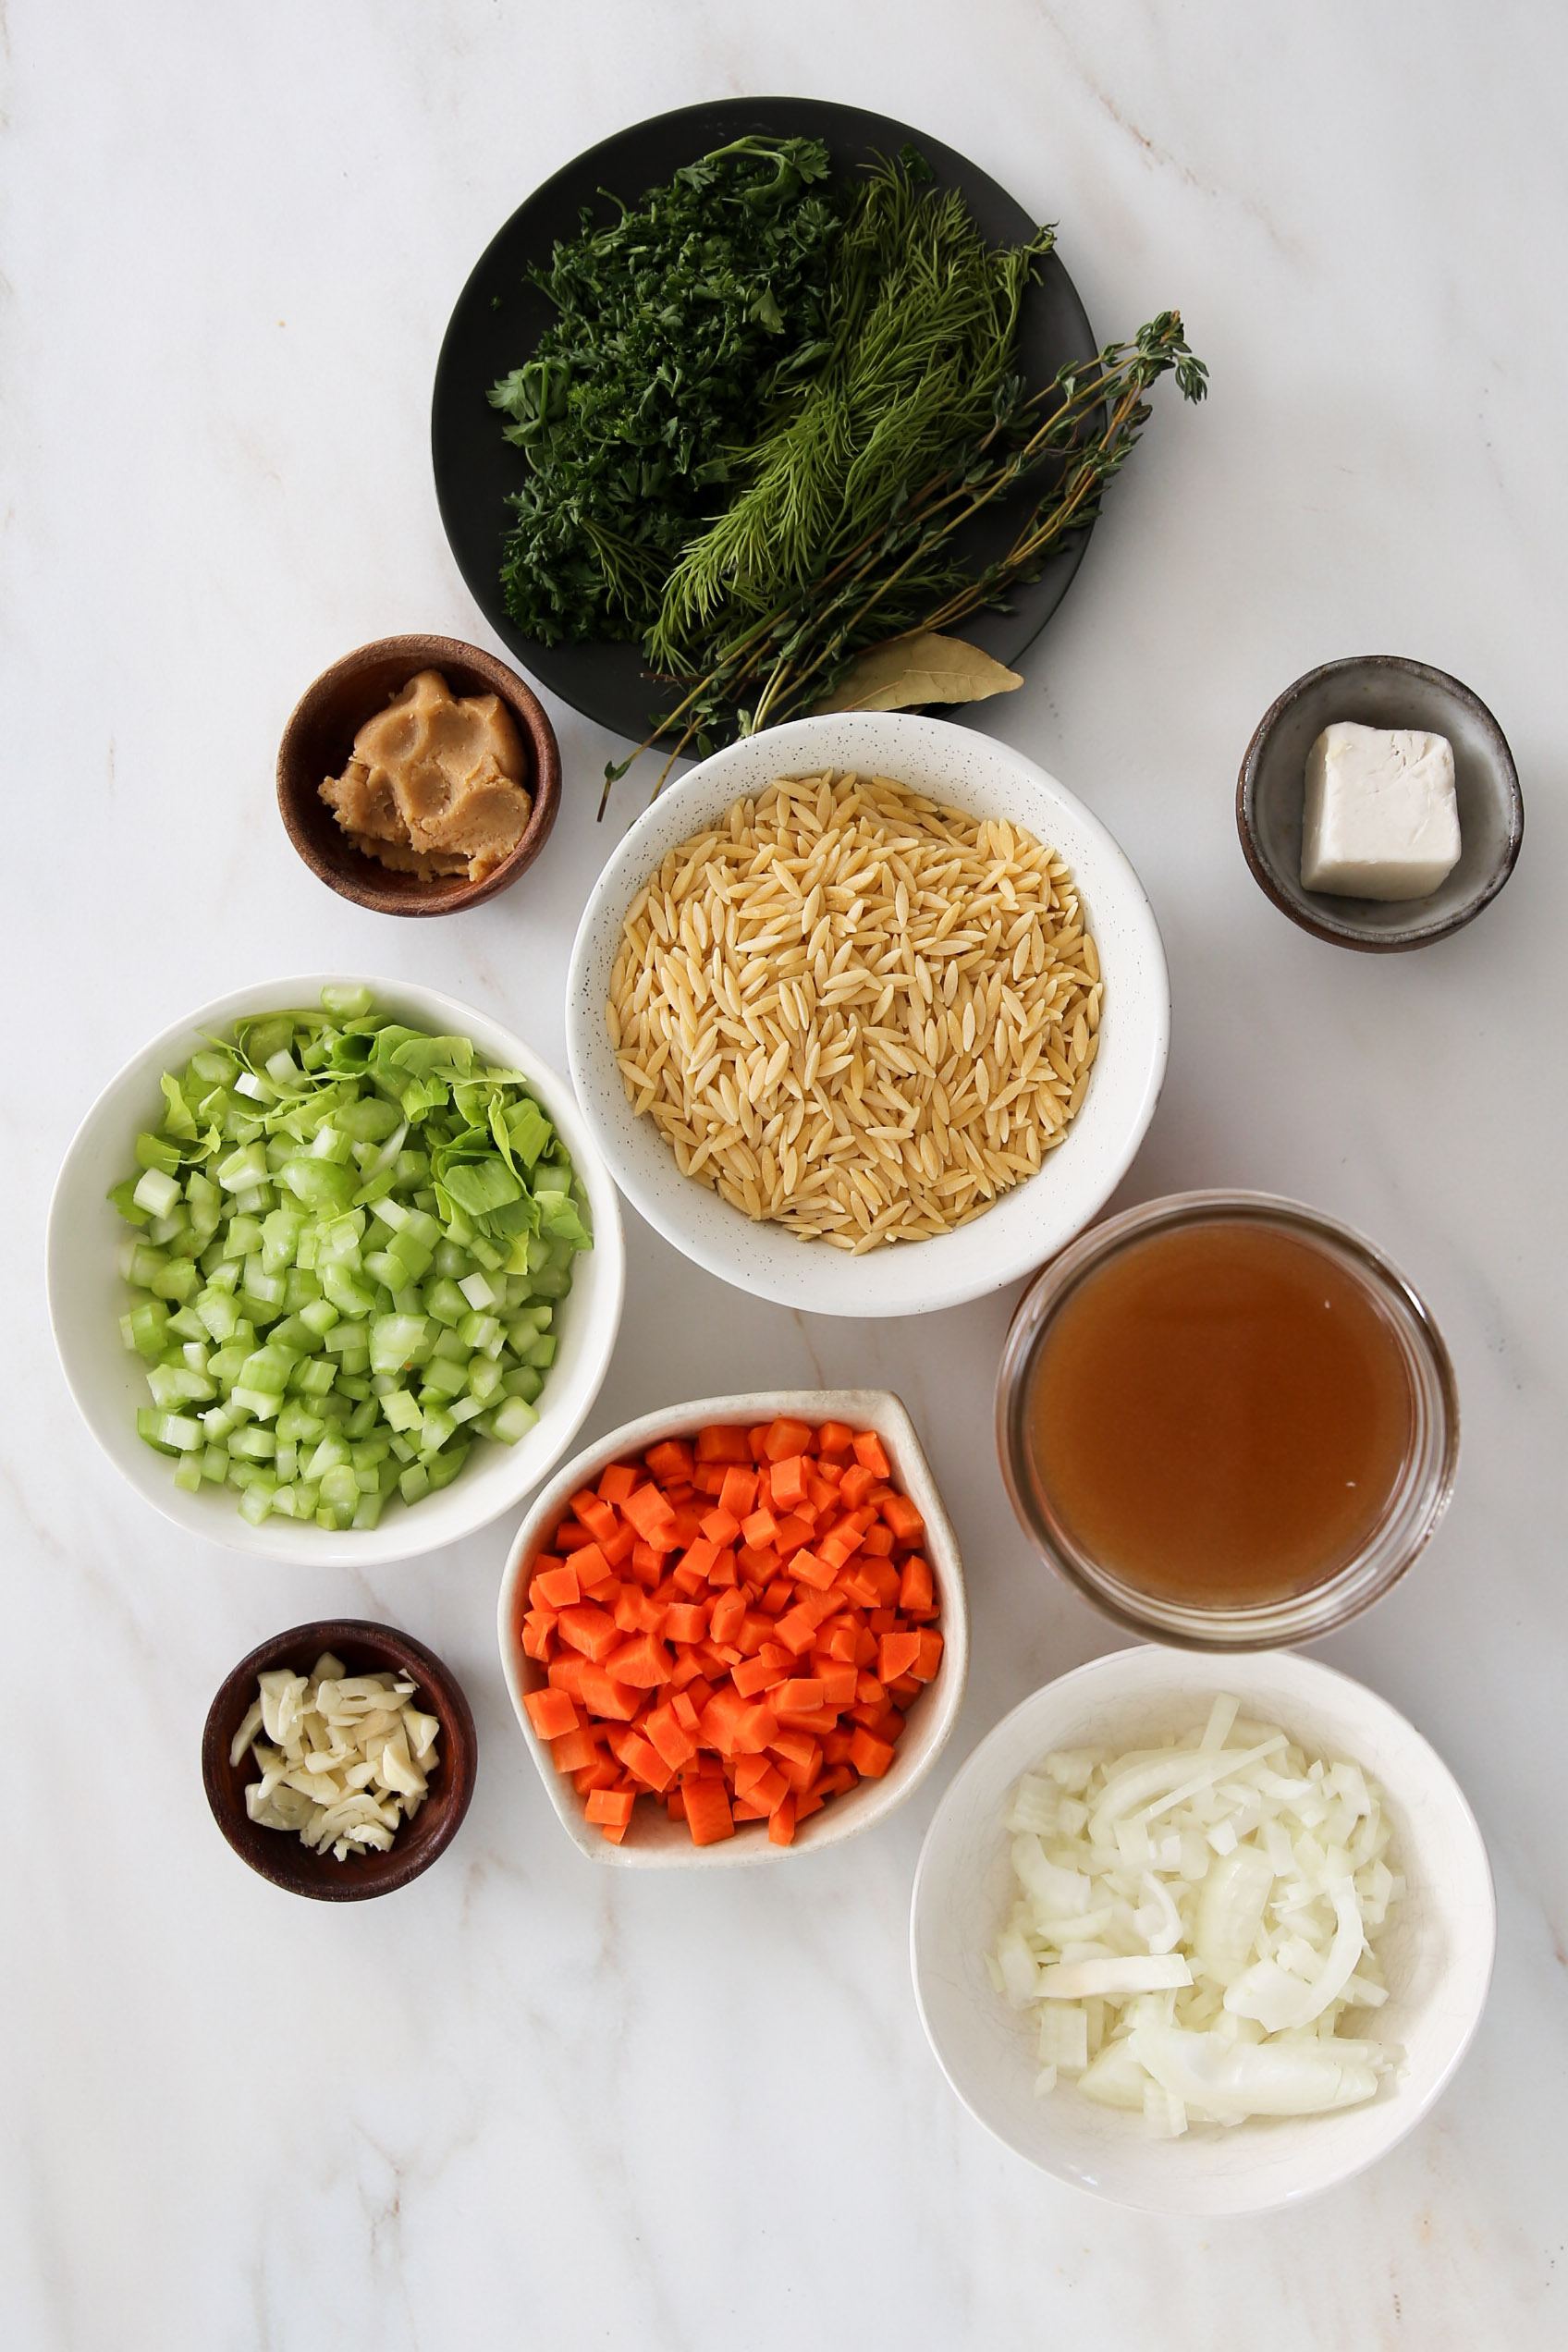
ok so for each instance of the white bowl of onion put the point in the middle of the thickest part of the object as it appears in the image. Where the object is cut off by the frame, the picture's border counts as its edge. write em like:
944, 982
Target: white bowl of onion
1379, 1886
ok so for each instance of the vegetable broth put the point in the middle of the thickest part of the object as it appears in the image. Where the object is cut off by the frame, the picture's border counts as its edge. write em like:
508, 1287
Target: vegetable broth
1218, 1415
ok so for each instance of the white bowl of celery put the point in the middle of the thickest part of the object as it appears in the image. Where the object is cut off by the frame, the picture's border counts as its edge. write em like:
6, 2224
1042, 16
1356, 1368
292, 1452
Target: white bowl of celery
335, 1269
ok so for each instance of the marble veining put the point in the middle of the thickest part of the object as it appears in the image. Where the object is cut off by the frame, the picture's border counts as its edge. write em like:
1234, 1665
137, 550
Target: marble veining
526, 2101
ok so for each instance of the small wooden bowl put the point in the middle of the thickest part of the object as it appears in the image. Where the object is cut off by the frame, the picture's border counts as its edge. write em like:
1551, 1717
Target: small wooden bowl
319, 739
278, 1855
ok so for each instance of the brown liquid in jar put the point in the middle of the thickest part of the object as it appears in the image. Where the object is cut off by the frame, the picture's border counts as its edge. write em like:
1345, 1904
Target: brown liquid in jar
1218, 1415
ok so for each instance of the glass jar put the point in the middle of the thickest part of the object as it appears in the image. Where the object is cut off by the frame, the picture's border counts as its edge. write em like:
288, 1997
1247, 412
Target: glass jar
1414, 1505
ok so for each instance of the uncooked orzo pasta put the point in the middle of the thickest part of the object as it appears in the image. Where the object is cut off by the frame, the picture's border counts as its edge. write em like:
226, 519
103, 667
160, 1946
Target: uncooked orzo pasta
854, 1013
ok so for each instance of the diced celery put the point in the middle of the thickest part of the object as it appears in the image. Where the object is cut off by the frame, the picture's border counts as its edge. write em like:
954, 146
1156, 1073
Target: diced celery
395, 1340
253, 1444
148, 1323
256, 1502
180, 1279
313, 1378
298, 1425
365, 1418
217, 1311
243, 1238
526, 1383
368, 1511
446, 1301
414, 1484
341, 1489
352, 1297
443, 1378
452, 1263
188, 1473
354, 1384
401, 1410
513, 1420
243, 1169
256, 1400
465, 1408
214, 1464
484, 1379
286, 1462
450, 1349
438, 1426
442, 1468
319, 1315
540, 1352
180, 1432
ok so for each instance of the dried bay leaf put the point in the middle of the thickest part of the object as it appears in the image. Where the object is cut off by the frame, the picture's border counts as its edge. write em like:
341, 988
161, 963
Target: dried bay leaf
925, 667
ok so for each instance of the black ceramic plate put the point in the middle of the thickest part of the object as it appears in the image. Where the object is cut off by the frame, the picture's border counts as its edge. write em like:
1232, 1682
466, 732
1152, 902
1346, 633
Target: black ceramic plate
499, 317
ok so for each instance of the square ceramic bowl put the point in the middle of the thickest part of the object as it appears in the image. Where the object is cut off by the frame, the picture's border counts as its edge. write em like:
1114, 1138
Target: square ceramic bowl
966, 771
87, 1297
653, 1841
1437, 1953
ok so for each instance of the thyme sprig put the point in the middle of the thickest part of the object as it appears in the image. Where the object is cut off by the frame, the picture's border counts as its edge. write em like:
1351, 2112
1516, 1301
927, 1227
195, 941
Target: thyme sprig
902, 575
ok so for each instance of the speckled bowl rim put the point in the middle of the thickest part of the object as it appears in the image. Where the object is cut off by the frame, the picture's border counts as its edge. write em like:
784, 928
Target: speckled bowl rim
1344, 935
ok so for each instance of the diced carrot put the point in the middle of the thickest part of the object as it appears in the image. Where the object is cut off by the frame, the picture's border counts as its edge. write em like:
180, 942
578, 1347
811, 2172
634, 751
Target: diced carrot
756, 1729
618, 1548
685, 1621
615, 1702
836, 1746
596, 1517
752, 1772
727, 1611
686, 1708
558, 1588
759, 1529
758, 1440
670, 1461
786, 1438
834, 1436
723, 1445
724, 1571
574, 1750
590, 1567
901, 1514
720, 1527
746, 1811
836, 1680
756, 1674
791, 1534
707, 1811
905, 1691
643, 1761
870, 1692
796, 1629
604, 1772
671, 1736
856, 1484
805, 1806
878, 1542
551, 1712
538, 1637
643, 1662
616, 1483
810, 1568
686, 1528
789, 1478
592, 1631
781, 1822
842, 1777
610, 1808
569, 1537
651, 1514
896, 1655
720, 1717
718, 1658
566, 1673
675, 1804
739, 1493
917, 1590
888, 1726
930, 1657
801, 1761
839, 1640
869, 1454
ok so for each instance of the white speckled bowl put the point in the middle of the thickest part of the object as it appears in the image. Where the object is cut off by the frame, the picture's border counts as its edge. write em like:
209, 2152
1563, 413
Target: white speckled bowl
87, 1298
653, 1841
1028, 1225
1438, 1951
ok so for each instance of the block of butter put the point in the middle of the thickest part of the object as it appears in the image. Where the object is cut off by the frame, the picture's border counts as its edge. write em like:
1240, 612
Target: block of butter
1380, 819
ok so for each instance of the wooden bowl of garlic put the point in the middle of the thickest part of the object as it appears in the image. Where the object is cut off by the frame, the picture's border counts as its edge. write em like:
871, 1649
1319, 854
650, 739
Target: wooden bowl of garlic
339, 1759
419, 776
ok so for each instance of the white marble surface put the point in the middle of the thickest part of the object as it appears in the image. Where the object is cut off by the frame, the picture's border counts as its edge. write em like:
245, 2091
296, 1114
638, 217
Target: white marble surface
526, 2101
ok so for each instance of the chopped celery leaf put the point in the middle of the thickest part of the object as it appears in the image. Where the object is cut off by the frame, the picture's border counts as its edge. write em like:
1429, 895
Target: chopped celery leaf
352, 1237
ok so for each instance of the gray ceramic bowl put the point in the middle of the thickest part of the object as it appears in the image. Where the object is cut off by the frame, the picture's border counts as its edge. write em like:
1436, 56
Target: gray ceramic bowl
1379, 689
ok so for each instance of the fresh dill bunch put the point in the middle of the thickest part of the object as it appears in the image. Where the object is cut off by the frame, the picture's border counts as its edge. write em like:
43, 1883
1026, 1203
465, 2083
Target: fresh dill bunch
676, 323
1073, 437
921, 325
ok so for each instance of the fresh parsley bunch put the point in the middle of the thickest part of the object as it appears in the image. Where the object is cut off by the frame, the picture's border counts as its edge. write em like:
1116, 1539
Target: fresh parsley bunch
677, 323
